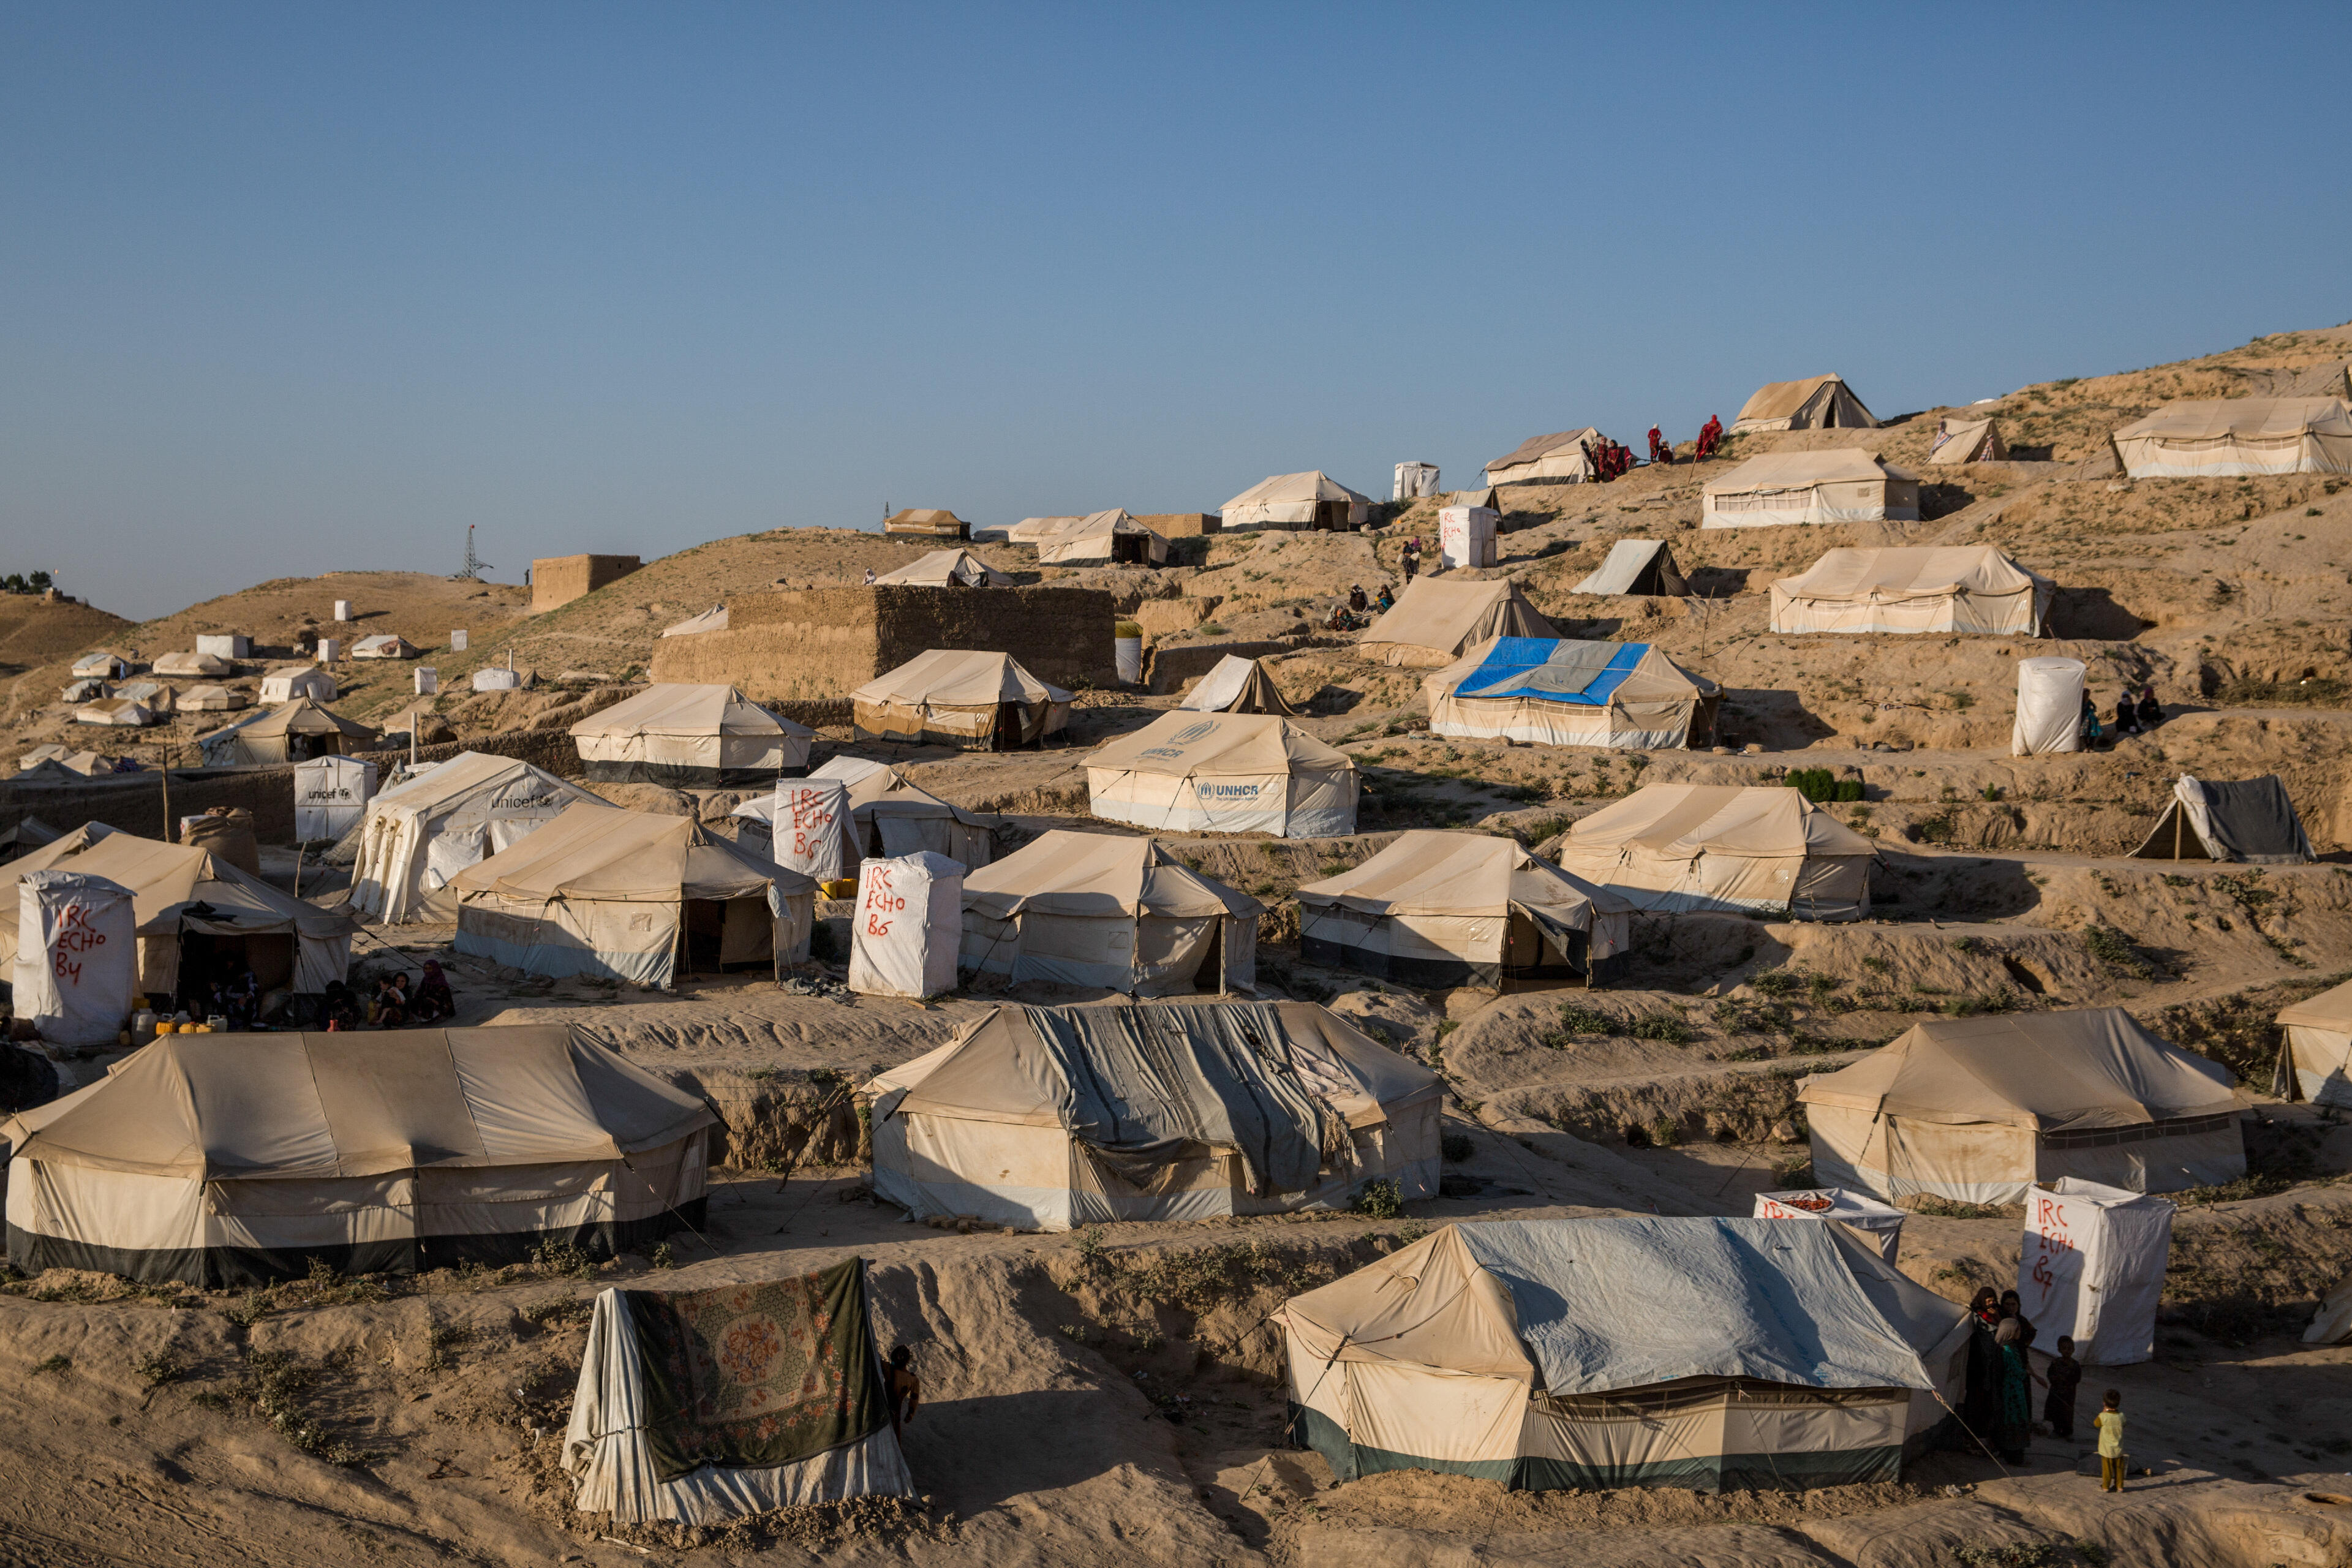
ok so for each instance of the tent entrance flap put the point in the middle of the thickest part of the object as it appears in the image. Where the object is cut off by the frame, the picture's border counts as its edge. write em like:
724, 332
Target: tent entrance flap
725, 936
205, 957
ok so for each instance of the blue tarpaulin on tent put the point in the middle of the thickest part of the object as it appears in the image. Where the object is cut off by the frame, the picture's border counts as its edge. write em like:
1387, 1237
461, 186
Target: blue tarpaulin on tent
1555, 669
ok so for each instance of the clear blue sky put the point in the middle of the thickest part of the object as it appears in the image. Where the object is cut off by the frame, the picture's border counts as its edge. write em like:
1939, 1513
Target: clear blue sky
286, 288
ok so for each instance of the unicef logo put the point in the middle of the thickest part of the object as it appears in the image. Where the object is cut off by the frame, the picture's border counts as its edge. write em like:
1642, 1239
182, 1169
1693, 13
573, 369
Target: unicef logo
1191, 733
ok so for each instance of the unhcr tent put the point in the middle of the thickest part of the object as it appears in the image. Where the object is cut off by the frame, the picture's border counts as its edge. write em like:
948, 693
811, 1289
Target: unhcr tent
1228, 772
210, 699
2249, 820
1815, 403
1967, 441
891, 817
198, 915
102, 666
1462, 909
1555, 692
1841, 486
960, 696
632, 897
2235, 435
1049, 1117
1094, 909
672, 1420
713, 619
1237, 685
294, 731
1437, 619
1309, 500
1102, 538
935, 522
703, 737
419, 834
302, 681
157, 697
1964, 588
1637, 566
1715, 1355
2315, 1061
1565, 458
331, 797
1762, 848
1977, 1110
236, 1160
187, 664
121, 712
946, 569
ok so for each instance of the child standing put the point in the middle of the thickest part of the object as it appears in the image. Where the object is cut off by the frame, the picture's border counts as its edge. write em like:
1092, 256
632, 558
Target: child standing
2110, 1423
2065, 1377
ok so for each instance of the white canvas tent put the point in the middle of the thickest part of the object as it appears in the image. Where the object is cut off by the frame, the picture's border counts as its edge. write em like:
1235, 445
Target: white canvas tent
1030, 530
1761, 849
1437, 619
2092, 1268
2237, 435
77, 959
1843, 485
713, 619
1562, 457
960, 696
331, 797
193, 664
688, 736
102, 666
907, 927
891, 816
946, 569
236, 1160
2245, 820
1644, 566
1108, 910
121, 712
210, 699
1554, 691
157, 697
929, 521
1967, 441
1312, 500
1048, 1118
1877, 1225
385, 645
86, 764
2332, 1323
2315, 1060
1237, 685
417, 835
1102, 538
1414, 480
1812, 403
301, 681
1437, 909
1977, 1110
632, 897
1714, 1355
1225, 772
292, 731
2049, 706
196, 913
1971, 588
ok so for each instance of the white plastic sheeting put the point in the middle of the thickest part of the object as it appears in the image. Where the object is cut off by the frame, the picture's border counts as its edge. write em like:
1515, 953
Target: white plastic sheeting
2093, 1268
813, 832
908, 926
77, 956
1466, 535
1878, 1225
331, 797
2049, 706
496, 679
1414, 480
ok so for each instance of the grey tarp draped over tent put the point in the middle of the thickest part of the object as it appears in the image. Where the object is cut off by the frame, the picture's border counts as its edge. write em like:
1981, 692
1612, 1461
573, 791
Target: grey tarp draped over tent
1644, 566
2249, 820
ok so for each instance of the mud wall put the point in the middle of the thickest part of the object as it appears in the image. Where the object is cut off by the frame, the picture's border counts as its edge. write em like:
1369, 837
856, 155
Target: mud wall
1183, 524
133, 803
560, 579
1169, 668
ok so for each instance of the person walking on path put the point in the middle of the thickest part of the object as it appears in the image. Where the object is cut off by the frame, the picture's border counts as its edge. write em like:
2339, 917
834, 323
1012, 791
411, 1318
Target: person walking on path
1411, 557
2065, 1377
2110, 1423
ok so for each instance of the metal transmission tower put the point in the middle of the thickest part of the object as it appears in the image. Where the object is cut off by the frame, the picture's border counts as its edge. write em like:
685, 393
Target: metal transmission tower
475, 566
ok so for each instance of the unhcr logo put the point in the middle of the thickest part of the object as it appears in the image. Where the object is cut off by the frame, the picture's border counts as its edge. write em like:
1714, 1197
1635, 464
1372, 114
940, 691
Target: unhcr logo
1191, 733
1228, 791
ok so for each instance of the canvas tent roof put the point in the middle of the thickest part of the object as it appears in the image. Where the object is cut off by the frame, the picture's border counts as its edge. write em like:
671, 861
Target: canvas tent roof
2250, 820
1562, 669
303, 716
1525, 460
957, 678
946, 568
1237, 743
385, 645
713, 619
2239, 435
1293, 499
1235, 685
680, 710
1777, 403
1801, 470
1636, 566
85, 763
2245, 417
1435, 619
2331, 1009
928, 519
2086, 1067
1061, 872
1093, 537
210, 699
1965, 588
186, 663
1678, 819
1967, 441
118, 710
1426, 871
608, 854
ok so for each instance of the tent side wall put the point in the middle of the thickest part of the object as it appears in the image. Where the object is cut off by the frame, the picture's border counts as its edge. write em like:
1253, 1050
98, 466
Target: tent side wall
1306, 804
1829, 888
636, 943
1841, 500
1647, 726
1893, 1157
693, 761
2228, 456
2318, 1061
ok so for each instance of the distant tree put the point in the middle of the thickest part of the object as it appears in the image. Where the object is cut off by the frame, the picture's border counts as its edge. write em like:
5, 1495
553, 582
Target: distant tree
14, 584
38, 582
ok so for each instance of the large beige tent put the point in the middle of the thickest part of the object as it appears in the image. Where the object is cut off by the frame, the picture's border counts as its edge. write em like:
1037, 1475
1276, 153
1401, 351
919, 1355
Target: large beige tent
1048, 1118
1713, 1354
935, 522
211, 698
632, 897
292, 731
1313, 500
419, 835
1764, 849
199, 917
1102, 538
702, 737
1813, 403
960, 696
2249, 820
1108, 911
1462, 909
1436, 620
234, 1160
1967, 441
1644, 566
1552, 691
947, 569
1225, 773
1563, 458
1958, 588
1977, 1110
2239, 435
300, 680
2315, 1060
119, 712
193, 664
892, 817
1237, 685
1841, 486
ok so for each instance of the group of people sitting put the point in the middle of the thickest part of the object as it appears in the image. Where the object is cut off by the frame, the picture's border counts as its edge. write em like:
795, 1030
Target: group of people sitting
1610, 461
2132, 717
1356, 613
393, 1004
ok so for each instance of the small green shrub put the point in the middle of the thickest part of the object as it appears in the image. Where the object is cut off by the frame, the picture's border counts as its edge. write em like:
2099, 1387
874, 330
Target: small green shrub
1381, 1199
159, 1367
1580, 1019
2117, 952
59, 1365
1777, 982
1457, 1147
1664, 1026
